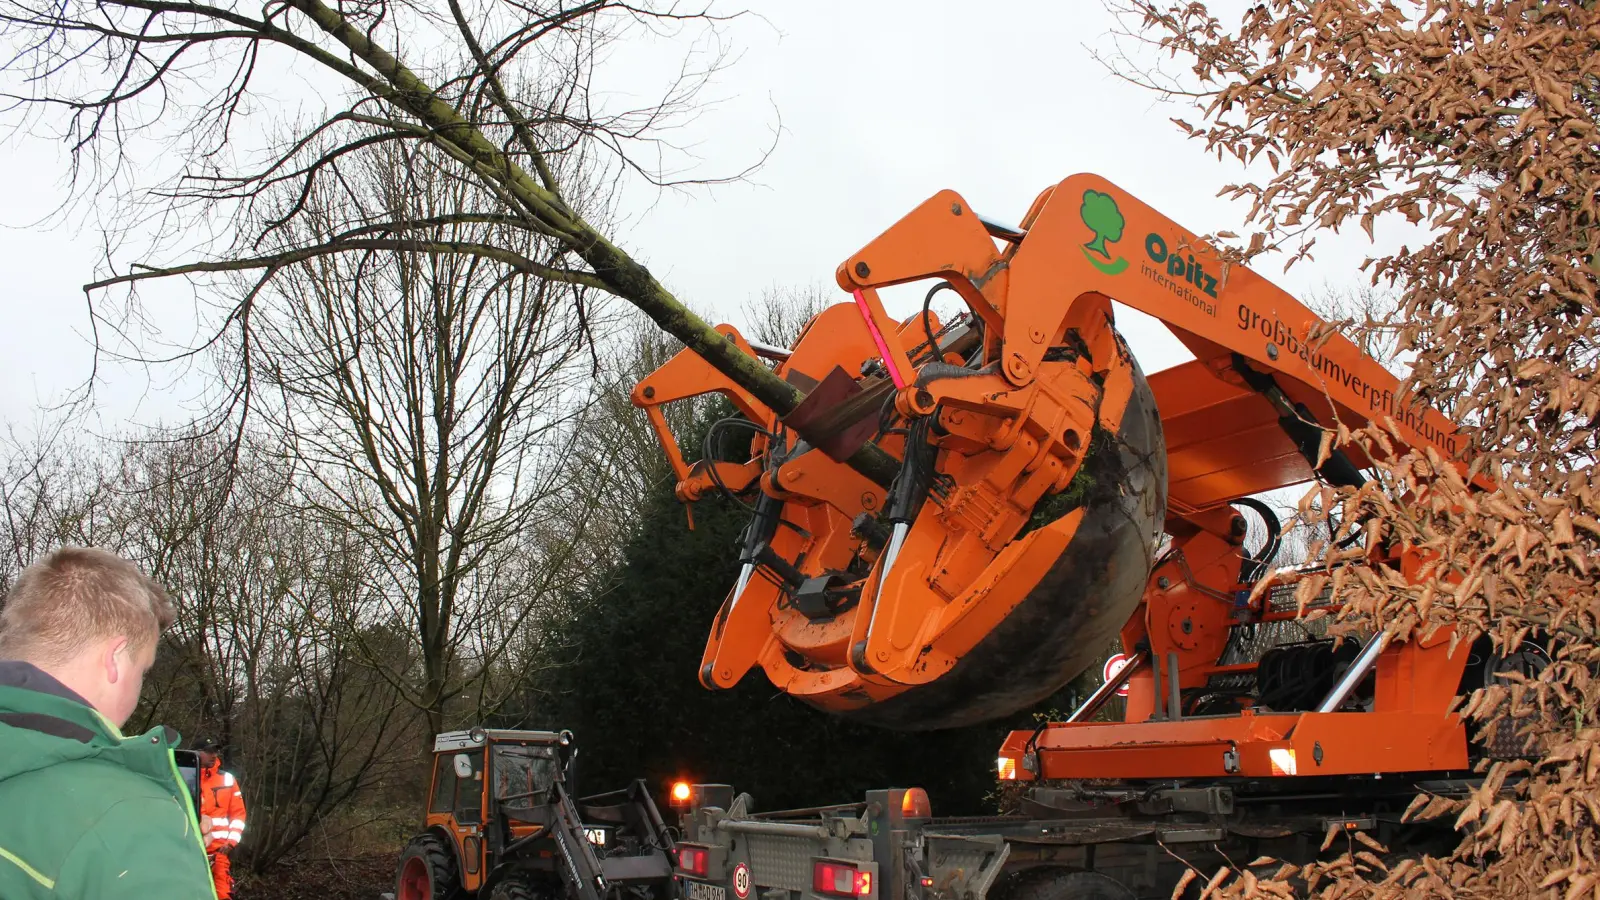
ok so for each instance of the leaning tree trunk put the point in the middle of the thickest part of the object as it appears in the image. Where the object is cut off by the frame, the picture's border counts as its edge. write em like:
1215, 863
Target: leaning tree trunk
632, 282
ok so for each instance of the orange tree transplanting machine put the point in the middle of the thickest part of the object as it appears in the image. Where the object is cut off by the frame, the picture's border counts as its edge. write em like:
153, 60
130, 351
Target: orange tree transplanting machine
1048, 498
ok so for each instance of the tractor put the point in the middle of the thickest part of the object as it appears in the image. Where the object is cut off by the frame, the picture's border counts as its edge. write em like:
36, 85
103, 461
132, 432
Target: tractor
503, 822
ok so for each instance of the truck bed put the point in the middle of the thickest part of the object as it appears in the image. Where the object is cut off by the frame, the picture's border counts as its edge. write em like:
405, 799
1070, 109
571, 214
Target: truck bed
1145, 836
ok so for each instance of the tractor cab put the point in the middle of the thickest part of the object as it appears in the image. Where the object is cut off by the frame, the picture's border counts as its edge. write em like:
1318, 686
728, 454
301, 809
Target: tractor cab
503, 821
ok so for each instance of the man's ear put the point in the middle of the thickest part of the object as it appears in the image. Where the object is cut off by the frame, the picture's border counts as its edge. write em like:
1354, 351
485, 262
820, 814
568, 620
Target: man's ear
119, 659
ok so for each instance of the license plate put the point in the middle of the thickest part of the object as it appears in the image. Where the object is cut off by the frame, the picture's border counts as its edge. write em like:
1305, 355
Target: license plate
596, 836
702, 891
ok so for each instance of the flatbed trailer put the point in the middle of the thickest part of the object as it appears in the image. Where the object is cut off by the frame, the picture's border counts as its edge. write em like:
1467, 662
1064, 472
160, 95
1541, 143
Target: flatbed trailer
1066, 841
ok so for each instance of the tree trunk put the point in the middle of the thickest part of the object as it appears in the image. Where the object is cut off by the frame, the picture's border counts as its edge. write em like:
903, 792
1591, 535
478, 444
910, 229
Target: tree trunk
435, 637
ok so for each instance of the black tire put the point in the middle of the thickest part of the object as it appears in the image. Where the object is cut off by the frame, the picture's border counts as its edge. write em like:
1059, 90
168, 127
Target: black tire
427, 871
512, 887
1059, 885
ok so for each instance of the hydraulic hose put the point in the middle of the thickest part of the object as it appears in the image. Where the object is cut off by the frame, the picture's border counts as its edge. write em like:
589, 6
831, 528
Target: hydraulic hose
1253, 567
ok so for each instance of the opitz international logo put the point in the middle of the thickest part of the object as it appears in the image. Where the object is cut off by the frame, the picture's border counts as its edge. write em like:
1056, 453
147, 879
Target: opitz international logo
1100, 214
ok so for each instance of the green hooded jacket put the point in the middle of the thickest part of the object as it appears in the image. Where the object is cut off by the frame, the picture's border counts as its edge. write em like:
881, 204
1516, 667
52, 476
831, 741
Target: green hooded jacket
84, 811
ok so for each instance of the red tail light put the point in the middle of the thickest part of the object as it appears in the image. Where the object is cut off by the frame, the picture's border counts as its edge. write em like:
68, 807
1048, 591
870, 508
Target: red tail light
694, 861
840, 880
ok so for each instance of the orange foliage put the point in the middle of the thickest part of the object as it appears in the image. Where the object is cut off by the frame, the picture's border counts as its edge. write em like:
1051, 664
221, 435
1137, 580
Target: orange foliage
1479, 121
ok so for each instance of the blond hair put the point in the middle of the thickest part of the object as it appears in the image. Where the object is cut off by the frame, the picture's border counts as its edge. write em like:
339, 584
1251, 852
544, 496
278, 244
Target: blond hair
76, 596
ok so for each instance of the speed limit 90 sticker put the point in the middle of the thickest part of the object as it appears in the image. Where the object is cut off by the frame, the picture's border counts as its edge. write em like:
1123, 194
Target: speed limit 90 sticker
741, 881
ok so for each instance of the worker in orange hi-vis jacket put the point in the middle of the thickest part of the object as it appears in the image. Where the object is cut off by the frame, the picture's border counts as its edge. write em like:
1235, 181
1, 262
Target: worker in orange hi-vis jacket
221, 815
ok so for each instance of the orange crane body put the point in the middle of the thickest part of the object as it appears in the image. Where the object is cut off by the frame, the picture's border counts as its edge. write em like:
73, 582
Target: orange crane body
964, 603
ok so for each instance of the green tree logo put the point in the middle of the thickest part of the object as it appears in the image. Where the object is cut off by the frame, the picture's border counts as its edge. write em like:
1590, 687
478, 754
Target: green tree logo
1099, 212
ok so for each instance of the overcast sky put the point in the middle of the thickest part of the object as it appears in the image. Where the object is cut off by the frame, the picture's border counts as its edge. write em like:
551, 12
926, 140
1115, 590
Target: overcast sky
882, 104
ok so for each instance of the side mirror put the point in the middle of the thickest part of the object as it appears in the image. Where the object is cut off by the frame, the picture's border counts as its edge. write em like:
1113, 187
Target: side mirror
463, 764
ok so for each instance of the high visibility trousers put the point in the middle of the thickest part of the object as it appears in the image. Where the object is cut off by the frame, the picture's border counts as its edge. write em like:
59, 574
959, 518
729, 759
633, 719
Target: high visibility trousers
221, 878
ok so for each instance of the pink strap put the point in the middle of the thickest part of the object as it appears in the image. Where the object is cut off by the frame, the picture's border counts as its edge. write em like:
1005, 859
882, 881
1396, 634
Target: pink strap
877, 338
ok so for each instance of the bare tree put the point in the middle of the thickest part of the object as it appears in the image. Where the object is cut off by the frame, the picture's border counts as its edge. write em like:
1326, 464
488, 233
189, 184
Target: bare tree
52, 492
780, 313
428, 400
254, 658
494, 92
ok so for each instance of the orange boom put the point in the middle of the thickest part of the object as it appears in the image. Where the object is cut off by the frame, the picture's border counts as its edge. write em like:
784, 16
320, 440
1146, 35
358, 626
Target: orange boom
1038, 467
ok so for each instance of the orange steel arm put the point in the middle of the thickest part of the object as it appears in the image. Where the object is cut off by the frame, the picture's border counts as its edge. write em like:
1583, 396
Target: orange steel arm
1157, 267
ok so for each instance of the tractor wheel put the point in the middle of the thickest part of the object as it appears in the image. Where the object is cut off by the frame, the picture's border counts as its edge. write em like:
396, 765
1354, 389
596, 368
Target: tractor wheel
427, 871
513, 887
1059, 885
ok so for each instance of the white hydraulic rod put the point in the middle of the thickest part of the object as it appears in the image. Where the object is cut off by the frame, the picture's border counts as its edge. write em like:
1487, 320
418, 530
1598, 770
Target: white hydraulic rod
745, 572
896, 539
1103, 692
1009, 233
1353, 675
769, 351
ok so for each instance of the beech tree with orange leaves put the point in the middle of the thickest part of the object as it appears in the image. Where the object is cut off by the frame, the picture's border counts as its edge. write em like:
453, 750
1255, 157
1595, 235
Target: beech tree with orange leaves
1480, 122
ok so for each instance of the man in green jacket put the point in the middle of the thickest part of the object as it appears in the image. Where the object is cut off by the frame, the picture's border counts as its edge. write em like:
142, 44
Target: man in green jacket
84, 811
